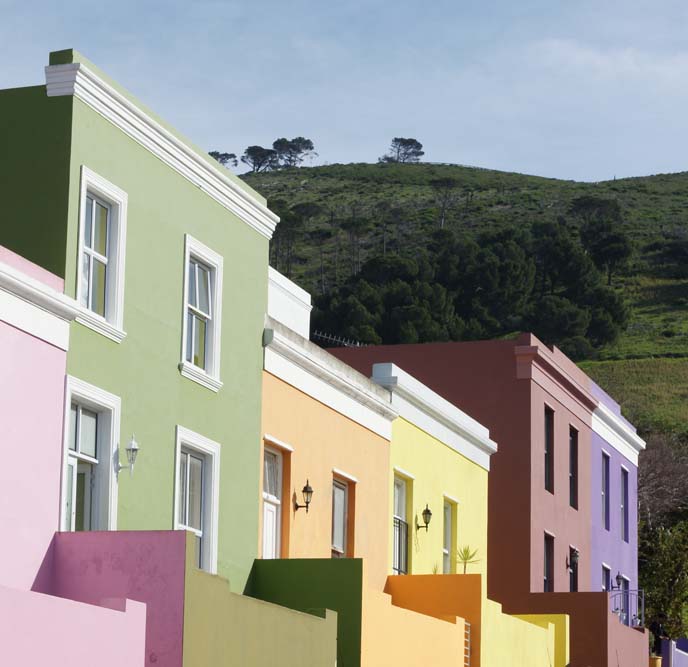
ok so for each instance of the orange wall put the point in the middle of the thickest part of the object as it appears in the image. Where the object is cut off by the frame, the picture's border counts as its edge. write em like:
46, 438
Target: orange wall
322, 440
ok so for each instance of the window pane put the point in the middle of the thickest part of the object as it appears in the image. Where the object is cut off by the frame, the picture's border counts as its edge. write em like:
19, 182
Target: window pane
203, 289
85, 278
447, 526
88, 222
199, 342
72, 427
81, 498
68, 498
101, 230
189, 336
191, 296
199, 551
98, 288
88, 429
338, 517
195, 492
270, 474
181, 499
400, 498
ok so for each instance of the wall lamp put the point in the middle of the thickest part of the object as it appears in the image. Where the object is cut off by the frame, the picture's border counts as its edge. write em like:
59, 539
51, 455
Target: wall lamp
307, 492
619, 581
427, 515
132, 451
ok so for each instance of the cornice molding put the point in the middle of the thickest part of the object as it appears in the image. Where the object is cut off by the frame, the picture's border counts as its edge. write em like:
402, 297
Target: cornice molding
533, 354
16, 282
77, 80
322, 366
436, 414
608, 426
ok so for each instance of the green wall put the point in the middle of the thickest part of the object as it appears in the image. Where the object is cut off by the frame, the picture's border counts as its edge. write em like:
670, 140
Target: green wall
35, 135
143, 369
313, 584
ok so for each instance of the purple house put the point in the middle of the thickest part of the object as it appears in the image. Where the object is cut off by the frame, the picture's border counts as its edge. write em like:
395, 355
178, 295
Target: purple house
615, 446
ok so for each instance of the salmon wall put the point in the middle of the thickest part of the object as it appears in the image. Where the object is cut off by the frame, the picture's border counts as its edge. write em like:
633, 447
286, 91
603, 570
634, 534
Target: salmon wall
325, 444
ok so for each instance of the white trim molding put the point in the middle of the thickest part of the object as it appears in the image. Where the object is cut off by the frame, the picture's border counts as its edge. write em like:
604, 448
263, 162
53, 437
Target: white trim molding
110, 405
427, 410
288, 303
403, 473
210, 450
80, 81
209, 378
325, 378
614, 431
112, 325
276, 442
344, 475
30, 305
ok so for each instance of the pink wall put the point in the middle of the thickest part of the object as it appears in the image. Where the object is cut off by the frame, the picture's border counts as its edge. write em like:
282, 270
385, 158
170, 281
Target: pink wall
39, 629
147, 566
32, 375
30, 269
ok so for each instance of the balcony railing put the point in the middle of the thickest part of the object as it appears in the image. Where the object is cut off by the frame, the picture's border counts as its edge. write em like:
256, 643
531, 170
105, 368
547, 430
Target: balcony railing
400, 564
629, 606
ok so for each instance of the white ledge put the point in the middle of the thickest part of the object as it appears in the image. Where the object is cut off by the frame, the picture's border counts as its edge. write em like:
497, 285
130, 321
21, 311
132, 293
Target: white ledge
78, 80
198, 375
99, 324
613, 430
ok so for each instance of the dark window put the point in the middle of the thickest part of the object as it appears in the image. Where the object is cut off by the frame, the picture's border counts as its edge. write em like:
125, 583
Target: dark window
549, 449
549, 563
573, 570
573, 467
400, 561
624, 504
606, 578
605, 490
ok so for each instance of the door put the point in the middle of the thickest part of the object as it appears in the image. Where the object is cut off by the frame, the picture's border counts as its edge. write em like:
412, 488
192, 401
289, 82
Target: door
272, 503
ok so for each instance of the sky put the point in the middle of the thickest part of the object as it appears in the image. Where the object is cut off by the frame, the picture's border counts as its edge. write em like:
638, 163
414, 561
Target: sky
575, 89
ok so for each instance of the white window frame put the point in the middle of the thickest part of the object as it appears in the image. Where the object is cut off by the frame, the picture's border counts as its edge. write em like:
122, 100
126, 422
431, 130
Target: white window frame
210, 451
447, 551
277, 501
342, 484
112, 325
209, 377
110, 407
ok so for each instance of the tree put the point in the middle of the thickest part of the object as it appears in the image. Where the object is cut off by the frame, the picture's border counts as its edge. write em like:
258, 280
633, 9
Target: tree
259, 158
606, 243
446, 195
224, 158
403, 150
292, 152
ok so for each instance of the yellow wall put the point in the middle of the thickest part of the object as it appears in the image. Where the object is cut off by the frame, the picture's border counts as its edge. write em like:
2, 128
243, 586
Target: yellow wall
324, 440
439, 471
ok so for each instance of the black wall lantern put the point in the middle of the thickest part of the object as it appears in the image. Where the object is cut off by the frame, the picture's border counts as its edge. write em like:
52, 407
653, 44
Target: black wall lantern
427, 515
307, 492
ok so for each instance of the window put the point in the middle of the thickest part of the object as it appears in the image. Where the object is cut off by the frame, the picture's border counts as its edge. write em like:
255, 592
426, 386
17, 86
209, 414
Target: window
549, 563
549, 449
605, 490
624, 504
573, 569
339, 518
448, 538
606, 578
196, 497
573, 467
272, 502
625, 616
400, 528
102, 241
202, 314
89, 499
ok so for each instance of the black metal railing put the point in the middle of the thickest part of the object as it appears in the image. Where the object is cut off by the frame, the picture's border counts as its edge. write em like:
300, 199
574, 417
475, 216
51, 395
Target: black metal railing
629, 606
400, 561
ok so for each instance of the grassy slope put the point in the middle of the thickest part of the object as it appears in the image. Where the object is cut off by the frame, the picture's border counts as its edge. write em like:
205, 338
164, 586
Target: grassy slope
653, 390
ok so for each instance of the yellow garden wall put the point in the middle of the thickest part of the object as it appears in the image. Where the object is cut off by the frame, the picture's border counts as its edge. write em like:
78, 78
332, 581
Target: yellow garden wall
438, 472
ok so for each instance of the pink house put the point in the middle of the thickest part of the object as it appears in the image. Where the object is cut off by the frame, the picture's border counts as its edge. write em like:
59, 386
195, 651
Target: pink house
35, 628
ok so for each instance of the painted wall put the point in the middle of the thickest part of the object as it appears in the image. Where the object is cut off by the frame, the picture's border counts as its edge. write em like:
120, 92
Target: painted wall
672, 655
438, 472
93, 567
324, 441
43, 630
31, 409
607, 545
50, 139
224, 628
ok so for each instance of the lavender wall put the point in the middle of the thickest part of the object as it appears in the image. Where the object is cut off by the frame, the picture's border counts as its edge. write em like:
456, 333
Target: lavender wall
607, 546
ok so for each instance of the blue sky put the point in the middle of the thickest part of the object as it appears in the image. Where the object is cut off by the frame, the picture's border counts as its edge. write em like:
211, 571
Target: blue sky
584, 90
